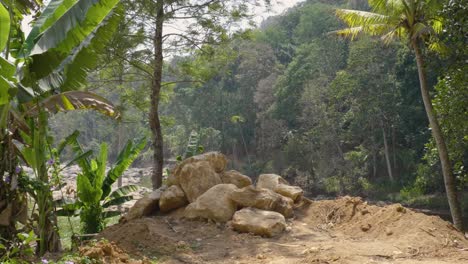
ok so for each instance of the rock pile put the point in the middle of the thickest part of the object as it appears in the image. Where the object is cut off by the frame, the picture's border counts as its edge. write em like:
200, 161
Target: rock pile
222, 196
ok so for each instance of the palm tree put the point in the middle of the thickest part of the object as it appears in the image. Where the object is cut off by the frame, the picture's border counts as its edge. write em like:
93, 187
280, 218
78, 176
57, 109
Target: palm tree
415, 22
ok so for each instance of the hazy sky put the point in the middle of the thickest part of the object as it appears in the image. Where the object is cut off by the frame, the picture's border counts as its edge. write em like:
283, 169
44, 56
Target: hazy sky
277, 7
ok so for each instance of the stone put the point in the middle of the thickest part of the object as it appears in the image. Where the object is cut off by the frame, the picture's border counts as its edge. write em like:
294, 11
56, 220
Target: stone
172, 198
216, 160
235, 178
145, 206
285, 206
196, 178
172, 180
215, 204
264, 199
259, 222
293, 192
279, 185
270, 181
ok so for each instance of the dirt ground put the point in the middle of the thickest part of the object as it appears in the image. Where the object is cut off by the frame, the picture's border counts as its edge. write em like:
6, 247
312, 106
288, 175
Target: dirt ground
345, 230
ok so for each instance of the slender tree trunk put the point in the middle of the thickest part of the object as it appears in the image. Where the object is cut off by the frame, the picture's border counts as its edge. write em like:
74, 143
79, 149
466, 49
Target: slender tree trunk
155, 122
395, 169
449, 179
387, 153
374, 154
119, 132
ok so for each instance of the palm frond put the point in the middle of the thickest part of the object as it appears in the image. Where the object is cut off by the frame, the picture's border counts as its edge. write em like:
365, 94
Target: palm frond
354, 32
117, 201
69, 140
87, 192
78, 158
356, 18
437, 25
72, 71
53, 11
386, 6
124, 160
73, 26
83, 162
438, 47
74, 100
419, 29
54, 45
389, 37
123, 191
102, 162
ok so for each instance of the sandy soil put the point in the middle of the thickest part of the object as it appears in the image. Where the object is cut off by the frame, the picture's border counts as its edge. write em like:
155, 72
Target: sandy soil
345, 230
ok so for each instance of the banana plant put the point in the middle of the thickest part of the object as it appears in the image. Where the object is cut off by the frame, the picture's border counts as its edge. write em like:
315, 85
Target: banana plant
43, 73
94, 185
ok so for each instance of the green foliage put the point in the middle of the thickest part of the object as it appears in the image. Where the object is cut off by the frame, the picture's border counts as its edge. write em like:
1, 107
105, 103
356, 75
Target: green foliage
94, 184
4, 26
18, 249
193, 146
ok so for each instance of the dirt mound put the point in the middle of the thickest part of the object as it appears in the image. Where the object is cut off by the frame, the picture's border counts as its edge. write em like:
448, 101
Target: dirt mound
108, 252
140, 235
354, 217
345, 230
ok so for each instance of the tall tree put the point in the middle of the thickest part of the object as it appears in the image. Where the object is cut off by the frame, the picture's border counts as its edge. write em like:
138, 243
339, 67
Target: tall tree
414, 21
181, 26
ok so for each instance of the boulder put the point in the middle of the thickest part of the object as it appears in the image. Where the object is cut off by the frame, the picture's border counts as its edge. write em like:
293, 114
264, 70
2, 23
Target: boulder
216, 160
145, 206
293, 192
172, 198
196, 178
279, 185
172, 179
264, 199
215, 204
236, 178
259, 222
270, 181
285, 206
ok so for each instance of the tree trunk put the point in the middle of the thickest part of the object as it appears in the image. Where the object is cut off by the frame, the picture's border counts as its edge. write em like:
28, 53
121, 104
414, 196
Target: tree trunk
449, 179
155, 122
387, 153
119, 130
395, 167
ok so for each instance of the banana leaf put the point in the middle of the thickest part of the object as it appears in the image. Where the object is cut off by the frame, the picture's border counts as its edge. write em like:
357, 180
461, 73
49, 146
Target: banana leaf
73, 100
124, 160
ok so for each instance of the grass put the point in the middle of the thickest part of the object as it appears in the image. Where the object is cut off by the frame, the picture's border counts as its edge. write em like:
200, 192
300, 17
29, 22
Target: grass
71, 225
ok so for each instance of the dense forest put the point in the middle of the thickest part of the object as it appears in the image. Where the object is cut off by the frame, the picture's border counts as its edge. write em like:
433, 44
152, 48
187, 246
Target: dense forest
366, 98
340, 116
